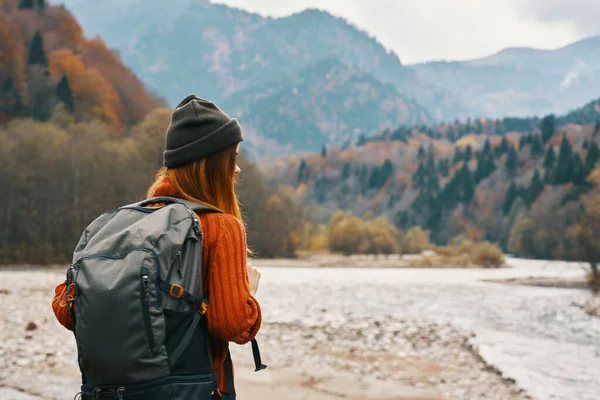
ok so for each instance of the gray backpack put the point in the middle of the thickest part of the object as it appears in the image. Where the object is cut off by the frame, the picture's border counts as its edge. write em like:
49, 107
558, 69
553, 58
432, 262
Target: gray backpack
137, 275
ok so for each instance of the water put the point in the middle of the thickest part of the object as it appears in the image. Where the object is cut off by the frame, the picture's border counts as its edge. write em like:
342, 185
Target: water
537, 336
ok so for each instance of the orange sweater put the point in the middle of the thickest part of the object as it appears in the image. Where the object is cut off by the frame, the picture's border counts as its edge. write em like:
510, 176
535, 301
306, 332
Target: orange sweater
233, 314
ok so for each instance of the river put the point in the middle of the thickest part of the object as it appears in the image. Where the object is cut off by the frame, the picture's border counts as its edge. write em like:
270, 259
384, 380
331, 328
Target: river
536, 336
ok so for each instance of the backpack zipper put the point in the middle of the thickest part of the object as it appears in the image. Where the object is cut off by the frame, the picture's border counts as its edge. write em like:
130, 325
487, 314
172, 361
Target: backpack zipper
146, 307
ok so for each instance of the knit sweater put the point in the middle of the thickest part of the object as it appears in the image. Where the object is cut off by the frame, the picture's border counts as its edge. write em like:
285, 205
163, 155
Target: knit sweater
233, 315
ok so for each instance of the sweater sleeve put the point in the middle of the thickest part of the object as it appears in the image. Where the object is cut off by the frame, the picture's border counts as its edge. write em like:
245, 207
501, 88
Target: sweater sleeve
234, 315
60, 305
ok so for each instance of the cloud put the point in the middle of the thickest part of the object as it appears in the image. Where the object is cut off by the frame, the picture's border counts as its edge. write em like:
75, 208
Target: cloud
582, 15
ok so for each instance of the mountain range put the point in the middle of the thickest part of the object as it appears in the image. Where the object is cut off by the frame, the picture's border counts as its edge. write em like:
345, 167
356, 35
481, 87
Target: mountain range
253, 65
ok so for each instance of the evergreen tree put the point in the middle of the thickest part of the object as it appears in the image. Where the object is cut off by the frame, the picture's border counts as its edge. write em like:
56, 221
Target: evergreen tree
419, 176
37, 56
375, 179
535, 188
41, 4
346, 171
537, 147
26, 5
430, 163
468, 153
592, 157
362, 140
451, 136
596, 129
302, 171
512, 161
324, 151
64, 94
504, 146
550, 158
466, 183
548, 126
458, 156
522, 142
512, 193
421, 153
444, 167
565, 163
387, 170
487, 147
578, 174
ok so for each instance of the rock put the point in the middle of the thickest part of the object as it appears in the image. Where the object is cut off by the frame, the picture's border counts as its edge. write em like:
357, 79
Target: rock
32, 326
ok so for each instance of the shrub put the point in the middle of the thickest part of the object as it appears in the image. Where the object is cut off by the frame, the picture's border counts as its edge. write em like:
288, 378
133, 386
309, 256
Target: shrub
416, 240
487, 255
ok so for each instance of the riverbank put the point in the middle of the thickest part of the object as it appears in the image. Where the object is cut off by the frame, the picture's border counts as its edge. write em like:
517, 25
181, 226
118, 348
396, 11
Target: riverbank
317, 353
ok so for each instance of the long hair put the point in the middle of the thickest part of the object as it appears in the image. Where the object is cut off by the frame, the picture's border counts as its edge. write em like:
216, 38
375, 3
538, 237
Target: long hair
210, 181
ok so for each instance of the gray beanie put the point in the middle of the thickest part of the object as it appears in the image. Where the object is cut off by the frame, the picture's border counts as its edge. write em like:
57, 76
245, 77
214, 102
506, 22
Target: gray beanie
198, 129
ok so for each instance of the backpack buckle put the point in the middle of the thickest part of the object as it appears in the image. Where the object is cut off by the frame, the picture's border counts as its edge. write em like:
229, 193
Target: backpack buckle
202, 308
176, 291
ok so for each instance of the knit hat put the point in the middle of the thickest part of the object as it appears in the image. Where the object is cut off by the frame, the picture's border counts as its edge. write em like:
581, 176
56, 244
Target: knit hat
198, 129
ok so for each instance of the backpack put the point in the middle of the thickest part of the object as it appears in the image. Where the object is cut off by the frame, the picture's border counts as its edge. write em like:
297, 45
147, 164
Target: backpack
139, 302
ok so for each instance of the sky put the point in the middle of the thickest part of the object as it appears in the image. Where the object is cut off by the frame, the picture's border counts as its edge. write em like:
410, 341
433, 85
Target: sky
426, 30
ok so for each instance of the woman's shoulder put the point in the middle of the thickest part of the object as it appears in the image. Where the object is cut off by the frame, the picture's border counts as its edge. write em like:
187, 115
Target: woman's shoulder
217, 224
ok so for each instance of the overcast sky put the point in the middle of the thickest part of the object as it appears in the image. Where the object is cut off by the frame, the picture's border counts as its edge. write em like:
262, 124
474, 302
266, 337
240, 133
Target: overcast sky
423, 30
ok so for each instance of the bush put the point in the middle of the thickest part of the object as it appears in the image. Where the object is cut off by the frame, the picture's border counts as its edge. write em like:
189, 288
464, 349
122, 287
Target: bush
416, 240
487, 255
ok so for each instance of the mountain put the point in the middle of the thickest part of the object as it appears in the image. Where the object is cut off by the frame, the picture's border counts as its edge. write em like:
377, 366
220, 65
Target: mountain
219, 52
327, 103
521, 81
45, 61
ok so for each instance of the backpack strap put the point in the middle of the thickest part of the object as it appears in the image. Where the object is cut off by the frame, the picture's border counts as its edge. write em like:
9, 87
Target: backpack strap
172, 200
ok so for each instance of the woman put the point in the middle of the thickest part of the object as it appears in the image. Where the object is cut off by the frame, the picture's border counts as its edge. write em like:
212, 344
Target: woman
202, 143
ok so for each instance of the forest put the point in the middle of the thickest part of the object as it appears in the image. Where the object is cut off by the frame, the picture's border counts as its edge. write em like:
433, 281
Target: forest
81, 134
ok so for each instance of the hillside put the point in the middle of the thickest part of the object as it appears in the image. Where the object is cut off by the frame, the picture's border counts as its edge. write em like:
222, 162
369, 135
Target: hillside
232, 51
324, 104
46, 61
521, 81
486, 180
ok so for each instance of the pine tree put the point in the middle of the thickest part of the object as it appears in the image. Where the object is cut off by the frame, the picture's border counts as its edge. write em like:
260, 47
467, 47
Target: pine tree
512, 161
37, 56
41, 4
468, 153
466, 183
324, 151
548, 126
565, 164
302, 171
550, 158
444, 167
458, 156
596, 128
537, 146
431, 162
64, 94
512, 193
419, 176
487, 147
421, 153
346, 171
578, 174
592, 157
535, 188
522, 142
26, 5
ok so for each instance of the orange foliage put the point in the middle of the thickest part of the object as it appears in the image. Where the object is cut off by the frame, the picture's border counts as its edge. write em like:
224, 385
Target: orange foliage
12, 66
94, 96
471, 230
135, 99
